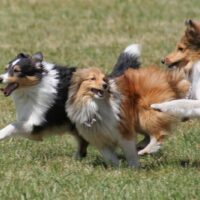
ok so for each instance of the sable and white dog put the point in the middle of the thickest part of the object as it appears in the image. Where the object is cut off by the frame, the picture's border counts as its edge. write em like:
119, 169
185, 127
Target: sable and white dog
186, 57
39, 90
110, 111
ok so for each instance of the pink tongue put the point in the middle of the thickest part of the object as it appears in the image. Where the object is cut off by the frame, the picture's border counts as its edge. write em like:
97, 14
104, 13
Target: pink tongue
10, 88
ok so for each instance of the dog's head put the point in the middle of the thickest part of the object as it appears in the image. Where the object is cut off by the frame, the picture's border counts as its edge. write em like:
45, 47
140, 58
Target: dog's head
89, 82
22, 71
187, 49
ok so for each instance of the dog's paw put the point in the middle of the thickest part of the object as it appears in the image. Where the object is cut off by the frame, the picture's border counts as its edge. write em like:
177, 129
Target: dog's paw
157, 107
163, 107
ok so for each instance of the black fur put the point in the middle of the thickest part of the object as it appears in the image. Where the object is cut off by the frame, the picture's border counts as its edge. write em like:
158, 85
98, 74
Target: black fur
124, 62
56, 115
27, 66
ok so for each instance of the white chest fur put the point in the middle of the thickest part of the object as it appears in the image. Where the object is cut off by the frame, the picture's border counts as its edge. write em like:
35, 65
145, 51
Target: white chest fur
33, 102
97, 120
104, 131
195, 88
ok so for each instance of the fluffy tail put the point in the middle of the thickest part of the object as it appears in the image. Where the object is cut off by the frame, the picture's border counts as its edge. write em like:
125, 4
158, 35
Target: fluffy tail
129, 58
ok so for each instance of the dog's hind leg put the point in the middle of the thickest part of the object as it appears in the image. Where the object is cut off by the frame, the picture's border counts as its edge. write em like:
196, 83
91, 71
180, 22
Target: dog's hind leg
153, 146
143, 143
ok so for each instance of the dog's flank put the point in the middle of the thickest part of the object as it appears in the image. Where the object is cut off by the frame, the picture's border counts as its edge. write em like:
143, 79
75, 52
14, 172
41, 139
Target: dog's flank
40, 105
141, 90
129, 58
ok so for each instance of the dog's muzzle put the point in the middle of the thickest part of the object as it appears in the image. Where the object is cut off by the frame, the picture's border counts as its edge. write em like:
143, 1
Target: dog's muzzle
9, 89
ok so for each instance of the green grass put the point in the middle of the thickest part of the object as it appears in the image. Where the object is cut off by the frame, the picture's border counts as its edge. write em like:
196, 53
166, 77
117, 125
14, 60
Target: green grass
92, 33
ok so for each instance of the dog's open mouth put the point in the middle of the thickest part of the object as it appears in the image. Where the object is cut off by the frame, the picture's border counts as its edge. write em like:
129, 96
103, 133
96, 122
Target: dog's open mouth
173, 65
98, 92
178, 64
9, 88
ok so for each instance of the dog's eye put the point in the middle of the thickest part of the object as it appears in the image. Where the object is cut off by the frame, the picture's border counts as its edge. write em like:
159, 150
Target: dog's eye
181, 49
93, 79
16, 70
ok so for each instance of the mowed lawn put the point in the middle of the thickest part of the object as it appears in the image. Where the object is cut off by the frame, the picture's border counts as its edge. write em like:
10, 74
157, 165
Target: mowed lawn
93, 33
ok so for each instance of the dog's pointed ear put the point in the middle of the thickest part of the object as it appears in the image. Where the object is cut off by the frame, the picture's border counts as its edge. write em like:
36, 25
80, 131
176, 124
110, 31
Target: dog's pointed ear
38, 57
77, 80
22, 55
188, 22
192, 26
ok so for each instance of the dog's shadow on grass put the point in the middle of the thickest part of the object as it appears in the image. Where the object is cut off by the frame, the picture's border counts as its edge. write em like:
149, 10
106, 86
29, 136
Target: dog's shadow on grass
147, 162
189, 164
150, 162
160, 159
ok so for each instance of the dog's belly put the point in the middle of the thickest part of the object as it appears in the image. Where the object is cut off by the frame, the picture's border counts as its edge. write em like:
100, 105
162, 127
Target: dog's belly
39, 132
100, 135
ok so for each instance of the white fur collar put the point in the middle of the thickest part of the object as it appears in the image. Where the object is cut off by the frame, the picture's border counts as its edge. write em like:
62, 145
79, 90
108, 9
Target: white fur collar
96, 110
33, 102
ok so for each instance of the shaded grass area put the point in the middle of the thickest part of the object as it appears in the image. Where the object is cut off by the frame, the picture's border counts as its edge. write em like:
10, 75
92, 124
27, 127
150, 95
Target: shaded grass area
92, 33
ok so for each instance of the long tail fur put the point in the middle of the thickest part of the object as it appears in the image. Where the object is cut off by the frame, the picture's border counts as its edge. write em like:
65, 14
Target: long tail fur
144, 87
129, 58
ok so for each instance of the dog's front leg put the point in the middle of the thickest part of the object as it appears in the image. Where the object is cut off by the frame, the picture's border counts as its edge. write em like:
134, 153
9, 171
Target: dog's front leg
16, 128
180, 108
109, 156
130, 152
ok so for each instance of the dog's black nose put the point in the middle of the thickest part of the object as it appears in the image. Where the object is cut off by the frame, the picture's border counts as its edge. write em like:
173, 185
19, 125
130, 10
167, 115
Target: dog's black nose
1, 80
163, 61
105, 86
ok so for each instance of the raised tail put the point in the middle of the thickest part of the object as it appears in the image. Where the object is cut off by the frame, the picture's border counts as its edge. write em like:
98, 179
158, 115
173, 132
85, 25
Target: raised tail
129, 58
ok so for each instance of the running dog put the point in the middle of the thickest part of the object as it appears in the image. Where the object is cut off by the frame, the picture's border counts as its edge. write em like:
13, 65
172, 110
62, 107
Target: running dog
39, 90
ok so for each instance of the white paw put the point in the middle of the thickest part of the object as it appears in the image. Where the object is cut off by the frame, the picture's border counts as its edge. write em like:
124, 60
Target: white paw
153, 149
156, 106
142, 152
162, 107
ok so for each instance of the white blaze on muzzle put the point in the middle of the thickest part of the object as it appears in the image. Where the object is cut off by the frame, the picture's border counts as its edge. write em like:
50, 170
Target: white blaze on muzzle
4, 77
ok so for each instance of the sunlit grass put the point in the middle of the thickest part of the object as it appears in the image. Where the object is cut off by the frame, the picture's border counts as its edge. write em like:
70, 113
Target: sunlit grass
92, 33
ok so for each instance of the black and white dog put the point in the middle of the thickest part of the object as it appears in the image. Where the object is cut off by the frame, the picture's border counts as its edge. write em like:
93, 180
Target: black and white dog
39, 90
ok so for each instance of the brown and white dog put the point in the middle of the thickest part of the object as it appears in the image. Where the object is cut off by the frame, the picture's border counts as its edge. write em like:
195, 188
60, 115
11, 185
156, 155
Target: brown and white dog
186, 57
109, 111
